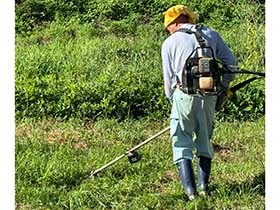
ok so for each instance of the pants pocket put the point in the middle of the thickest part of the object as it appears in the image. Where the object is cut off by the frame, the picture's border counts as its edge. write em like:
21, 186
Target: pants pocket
173, 126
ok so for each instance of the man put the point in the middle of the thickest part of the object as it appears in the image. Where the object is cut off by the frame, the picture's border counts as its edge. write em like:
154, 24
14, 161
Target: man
190, 113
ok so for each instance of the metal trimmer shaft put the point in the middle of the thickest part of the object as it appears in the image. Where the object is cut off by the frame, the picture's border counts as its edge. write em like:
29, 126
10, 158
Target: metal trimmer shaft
131, 150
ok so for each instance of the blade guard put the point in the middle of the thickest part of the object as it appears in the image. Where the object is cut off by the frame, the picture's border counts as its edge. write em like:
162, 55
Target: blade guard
133, 156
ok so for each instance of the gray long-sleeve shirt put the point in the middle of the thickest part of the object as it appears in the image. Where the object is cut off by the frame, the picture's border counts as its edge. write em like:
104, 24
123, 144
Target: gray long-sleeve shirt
177, 47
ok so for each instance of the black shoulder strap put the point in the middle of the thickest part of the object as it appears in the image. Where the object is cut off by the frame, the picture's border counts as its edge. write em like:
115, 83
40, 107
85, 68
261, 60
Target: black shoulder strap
185, 30
197, 34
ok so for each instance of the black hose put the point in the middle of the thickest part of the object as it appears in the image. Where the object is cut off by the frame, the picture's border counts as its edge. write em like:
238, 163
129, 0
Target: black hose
226, 70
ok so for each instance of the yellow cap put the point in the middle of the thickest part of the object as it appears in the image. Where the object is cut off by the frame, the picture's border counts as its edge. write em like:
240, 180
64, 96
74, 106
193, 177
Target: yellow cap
174, 12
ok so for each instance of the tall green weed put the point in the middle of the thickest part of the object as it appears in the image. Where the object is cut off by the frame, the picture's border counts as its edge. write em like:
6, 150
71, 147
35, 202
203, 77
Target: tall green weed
83, 77
111, 66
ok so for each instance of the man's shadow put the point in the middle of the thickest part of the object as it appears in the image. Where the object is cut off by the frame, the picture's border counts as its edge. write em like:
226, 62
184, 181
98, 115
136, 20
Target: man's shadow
256, 185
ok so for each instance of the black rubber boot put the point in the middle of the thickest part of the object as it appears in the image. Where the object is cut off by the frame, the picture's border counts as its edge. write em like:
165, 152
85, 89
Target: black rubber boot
204, 169
187, 178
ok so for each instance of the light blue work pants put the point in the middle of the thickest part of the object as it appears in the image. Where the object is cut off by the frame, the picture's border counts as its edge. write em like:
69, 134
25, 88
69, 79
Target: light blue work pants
191, 125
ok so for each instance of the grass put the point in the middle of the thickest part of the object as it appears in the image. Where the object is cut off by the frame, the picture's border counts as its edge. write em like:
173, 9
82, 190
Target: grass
53, 156
74, 70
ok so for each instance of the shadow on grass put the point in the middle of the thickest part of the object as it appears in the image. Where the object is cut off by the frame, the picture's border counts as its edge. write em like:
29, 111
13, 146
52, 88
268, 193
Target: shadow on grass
171, 200
256, 186
73, 181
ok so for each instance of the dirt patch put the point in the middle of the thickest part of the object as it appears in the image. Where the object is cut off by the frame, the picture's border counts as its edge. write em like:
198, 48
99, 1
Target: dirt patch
81, 146
224, 152
170, 176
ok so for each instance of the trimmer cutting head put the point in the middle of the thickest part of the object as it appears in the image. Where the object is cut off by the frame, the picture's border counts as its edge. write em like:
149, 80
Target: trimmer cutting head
133, 156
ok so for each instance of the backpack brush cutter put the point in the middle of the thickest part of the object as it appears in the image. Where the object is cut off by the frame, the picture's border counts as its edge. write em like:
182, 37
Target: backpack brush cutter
133, 156
201, 75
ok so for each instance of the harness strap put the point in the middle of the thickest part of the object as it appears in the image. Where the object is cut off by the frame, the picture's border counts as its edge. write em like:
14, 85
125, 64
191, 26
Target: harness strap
197, 34
188, 74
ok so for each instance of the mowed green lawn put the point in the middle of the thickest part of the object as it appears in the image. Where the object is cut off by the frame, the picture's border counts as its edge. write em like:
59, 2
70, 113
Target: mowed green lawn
53, 157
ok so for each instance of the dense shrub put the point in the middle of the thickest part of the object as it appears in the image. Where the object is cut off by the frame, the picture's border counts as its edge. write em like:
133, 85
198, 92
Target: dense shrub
33, 13
82, 77
98, 58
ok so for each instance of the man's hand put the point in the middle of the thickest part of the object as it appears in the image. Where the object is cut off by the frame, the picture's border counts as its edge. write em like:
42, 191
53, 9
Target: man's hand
221, 98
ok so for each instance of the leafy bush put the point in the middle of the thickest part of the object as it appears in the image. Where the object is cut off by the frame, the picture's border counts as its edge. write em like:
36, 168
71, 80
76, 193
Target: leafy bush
81, 78
32, 13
